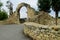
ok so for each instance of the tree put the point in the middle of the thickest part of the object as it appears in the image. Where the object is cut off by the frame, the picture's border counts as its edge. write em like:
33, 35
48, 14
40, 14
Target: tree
1, 4
44, 5
10, 7
3, 15
56, 8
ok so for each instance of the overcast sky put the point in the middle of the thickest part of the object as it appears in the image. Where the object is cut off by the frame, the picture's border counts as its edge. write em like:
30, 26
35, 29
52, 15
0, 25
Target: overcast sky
33, 4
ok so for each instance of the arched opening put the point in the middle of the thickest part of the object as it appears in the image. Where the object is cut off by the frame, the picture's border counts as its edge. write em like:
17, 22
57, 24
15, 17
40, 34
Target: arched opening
23, 14
28, 8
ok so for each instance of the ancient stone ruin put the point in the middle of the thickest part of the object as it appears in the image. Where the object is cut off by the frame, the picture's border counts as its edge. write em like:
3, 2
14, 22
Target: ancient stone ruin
41, 18
36, 26
30, 10
41, 32
14, 18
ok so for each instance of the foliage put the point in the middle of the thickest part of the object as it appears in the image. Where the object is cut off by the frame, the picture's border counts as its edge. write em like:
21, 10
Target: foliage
1, 4
59, 17
10, 7
44, 5
3, 15
56, 7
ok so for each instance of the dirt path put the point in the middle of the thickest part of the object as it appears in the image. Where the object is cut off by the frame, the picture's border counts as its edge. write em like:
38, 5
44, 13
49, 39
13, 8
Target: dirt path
12, 32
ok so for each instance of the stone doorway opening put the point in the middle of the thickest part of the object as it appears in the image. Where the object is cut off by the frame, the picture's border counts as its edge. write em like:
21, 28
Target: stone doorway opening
23, 14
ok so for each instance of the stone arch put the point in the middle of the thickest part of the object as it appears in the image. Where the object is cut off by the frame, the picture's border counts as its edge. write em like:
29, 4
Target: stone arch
19, 7
30, 10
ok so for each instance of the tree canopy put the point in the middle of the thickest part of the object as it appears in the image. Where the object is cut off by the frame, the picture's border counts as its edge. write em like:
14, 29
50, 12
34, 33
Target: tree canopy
56, 5
56, 8
10, 7
3, 13
44, 5
1, 4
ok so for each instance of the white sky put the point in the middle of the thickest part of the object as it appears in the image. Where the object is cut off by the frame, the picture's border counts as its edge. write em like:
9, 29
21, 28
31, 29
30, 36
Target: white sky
33, 4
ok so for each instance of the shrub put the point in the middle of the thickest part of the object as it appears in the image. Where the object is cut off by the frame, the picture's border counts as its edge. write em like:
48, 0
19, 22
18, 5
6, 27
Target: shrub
3, 15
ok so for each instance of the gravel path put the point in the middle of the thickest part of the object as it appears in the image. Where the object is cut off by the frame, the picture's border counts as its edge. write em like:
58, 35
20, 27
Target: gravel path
12, 32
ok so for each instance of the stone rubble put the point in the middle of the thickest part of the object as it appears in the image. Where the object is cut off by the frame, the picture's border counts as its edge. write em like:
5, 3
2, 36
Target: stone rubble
41, 32
43, 18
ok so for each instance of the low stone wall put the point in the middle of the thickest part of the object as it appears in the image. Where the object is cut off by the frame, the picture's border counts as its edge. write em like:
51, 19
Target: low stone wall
41, 32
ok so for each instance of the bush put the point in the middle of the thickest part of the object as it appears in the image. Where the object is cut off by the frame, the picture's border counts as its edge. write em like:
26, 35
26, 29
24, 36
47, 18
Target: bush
59, 17
3, 15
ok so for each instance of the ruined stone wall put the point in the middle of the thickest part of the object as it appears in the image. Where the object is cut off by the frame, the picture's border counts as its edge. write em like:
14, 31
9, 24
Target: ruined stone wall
41, 32
15, 17
30, 10
41, 18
